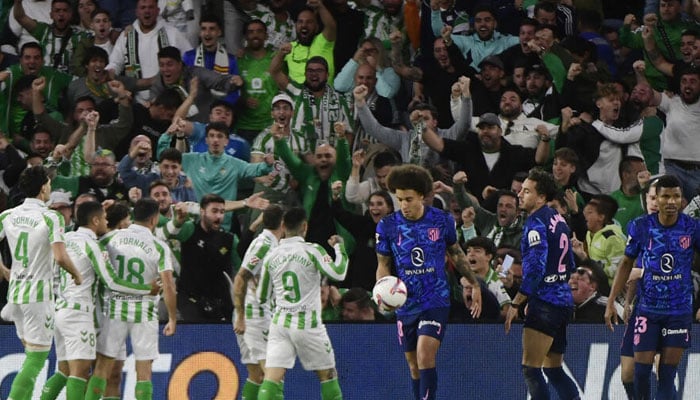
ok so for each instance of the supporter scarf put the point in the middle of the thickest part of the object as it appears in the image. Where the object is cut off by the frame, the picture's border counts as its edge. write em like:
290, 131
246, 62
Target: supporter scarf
220, 58
319, 116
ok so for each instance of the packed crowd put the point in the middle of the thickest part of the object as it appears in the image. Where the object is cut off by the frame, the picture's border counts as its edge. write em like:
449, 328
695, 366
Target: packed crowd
217, 110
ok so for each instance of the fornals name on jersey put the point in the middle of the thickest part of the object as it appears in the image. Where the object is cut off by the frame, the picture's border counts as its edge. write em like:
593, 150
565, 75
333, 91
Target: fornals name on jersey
533, 238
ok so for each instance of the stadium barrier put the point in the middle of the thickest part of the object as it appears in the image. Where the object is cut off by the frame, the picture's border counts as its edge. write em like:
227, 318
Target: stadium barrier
475, 362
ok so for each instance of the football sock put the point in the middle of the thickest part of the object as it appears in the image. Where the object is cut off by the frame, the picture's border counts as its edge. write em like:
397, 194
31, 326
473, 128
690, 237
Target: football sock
330, 390
428, 383
23, 385
534, 378
144, 390
415, 384
95, 388
268, 390
250, 390
75, 388
53, 386
666, 388
629, 389
563, 384
642, 381
280, 392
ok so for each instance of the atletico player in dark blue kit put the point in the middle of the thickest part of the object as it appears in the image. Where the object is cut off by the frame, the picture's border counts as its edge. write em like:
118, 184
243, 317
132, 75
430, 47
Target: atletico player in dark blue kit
664, 244
547, 264
415, 241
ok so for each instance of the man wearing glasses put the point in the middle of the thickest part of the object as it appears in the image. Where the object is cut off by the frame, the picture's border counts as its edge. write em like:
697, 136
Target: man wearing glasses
310, 42
101, 181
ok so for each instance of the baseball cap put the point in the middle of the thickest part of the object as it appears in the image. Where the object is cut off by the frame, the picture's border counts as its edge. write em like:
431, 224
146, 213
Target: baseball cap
539, 68
59, 198
283, 97
490, 119
492, 60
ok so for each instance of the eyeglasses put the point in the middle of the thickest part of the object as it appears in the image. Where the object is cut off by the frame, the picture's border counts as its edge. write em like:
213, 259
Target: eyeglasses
316, 71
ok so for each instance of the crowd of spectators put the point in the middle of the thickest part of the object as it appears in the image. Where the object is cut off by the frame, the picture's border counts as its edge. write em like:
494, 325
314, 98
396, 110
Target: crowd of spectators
216, 109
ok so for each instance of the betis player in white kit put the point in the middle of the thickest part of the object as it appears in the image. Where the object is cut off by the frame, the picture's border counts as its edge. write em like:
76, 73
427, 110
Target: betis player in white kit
75, 304
139, 257
252, 319
35, 237
292, 277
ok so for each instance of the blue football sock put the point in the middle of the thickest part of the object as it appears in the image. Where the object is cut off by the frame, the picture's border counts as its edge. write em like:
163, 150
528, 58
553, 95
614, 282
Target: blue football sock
428, 383
629, 389
666, 389
415, 385
642, 381
563, 384
534, 378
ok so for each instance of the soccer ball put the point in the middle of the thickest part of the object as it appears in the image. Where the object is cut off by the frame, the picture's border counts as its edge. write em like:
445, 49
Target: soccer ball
389, 293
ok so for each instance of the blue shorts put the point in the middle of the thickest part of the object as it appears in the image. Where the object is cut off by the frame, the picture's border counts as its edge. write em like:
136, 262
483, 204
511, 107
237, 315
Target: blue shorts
550, 320
431, 322
654, 331
627, 346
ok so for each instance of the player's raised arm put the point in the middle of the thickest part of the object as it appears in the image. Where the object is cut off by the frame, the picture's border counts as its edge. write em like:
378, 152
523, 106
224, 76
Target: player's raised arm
460, 261
333, 269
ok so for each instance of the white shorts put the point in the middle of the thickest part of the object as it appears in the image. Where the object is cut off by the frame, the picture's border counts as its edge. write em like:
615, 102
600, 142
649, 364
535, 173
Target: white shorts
253, 343
144, 338
311, 345
101, 321
34, 322
75, 335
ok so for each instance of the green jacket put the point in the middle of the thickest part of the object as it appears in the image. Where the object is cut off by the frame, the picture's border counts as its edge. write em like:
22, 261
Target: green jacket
309, 181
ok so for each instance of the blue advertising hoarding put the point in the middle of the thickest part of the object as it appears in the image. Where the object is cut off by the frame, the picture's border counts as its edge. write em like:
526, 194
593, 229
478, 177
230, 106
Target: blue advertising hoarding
475, 362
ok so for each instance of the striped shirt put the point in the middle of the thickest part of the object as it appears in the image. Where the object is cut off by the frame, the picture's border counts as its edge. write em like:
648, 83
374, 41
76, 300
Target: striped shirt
93, 263
264, 144
292, 275
31, 228
139, 258
252, 261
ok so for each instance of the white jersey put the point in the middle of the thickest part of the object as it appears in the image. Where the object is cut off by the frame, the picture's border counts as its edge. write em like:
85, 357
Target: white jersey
31, 228
292, 271
138, 257
93, 263
252, 262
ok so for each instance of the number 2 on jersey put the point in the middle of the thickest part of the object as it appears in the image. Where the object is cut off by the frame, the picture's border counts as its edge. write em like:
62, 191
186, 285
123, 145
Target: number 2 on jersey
564, 249
290, 283
134, 269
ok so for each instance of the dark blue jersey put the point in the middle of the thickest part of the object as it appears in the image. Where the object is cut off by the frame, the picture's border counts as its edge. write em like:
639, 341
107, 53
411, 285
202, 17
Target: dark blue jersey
418, 250
547, 258
666, 255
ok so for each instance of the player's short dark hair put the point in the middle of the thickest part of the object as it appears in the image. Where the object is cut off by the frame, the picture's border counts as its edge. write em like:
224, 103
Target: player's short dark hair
691, 32
384, 158
24, 83
155, 184
145, 209
171, 154
169, 99
209, 17
667, 181
95, 52
31, 45
294, 218
359, 296
605, 205
272, 216
544, 183
567, 154
171, 52
482, 242
70, 5
210, 198
508, 193
421, 106
82, 99
99, 10
553, 28
86, 211
529, 22
216, 126
410, 177
484, 8
545, 6
626, 164
115, 214
222, 103
597, 275
317, 60
31, 180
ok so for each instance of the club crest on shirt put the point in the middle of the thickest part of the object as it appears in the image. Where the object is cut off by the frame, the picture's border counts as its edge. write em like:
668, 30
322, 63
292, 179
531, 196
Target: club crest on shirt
533, 238
433, 234
684, 241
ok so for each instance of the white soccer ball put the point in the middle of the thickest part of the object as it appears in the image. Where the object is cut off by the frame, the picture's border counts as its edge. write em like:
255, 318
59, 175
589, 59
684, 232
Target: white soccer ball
389, 293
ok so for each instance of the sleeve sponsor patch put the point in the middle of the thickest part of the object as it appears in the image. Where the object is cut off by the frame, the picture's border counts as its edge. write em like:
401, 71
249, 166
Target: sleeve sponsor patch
533, 238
